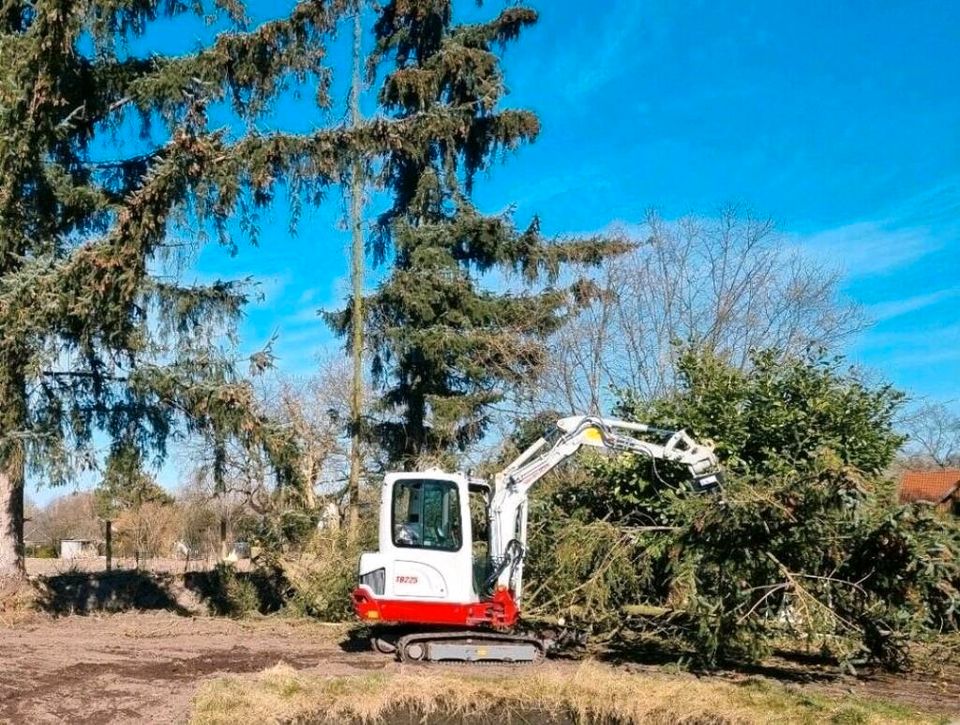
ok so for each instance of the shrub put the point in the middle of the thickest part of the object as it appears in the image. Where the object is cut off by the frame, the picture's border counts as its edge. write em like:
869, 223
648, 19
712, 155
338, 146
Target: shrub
803, 540
323, 573
228, 593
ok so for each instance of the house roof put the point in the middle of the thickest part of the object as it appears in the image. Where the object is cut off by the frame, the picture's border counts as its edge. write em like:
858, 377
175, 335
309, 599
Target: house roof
935, 486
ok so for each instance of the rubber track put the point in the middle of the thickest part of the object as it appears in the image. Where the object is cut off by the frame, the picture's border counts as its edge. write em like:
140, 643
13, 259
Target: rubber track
477, 637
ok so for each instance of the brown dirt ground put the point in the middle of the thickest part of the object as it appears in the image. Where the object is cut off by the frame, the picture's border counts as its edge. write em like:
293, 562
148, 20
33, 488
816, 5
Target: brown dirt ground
145, 667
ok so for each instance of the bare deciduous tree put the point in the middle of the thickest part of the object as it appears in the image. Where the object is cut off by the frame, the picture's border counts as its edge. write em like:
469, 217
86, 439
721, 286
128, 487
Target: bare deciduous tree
148, 531
72, 516
730, 283
316, 409
934, 436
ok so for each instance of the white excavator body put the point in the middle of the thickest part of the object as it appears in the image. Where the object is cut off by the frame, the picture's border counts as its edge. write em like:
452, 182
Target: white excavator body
448, 573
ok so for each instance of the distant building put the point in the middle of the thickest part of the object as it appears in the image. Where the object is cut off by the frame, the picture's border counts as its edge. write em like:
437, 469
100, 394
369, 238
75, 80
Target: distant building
77, 548
940, 487
36, 541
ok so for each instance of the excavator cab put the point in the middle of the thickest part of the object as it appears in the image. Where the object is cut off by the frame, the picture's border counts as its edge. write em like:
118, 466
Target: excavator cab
425, 557
479, 504
426, 514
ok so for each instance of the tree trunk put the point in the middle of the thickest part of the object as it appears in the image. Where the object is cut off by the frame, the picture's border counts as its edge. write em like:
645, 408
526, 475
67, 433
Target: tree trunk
309, 472
223, 538
11, 518
12, 419
108, 537
356, 274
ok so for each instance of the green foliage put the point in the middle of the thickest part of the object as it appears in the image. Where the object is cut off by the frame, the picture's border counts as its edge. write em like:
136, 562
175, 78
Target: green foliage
445, 347
44, 551
323, 575
806, 553
803, 540
778, 414
284, 525
911, 558
95, 334
583, 571
126, 486
229, 593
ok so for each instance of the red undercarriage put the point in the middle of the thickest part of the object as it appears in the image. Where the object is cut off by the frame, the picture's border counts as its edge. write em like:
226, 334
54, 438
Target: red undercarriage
499, 612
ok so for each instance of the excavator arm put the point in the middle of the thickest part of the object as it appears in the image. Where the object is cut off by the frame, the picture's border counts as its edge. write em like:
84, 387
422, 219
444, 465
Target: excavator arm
509, 505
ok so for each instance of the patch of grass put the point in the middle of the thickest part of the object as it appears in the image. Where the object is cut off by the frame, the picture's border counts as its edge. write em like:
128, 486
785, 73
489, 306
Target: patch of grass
590, 693
794, 705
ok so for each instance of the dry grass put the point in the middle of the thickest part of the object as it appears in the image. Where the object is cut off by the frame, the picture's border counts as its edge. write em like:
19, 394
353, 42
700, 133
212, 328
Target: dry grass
592, 693
95, 564
18, 602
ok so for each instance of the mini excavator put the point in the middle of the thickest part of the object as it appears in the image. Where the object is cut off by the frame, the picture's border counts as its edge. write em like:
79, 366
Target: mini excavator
435, 591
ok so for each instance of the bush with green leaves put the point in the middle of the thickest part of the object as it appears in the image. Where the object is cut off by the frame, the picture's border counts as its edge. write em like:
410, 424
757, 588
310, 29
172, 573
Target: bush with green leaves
229, 593
804, 540
323, 573
779, 414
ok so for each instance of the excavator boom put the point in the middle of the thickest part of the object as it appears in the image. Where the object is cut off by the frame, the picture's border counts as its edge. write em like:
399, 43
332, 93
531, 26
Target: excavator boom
508, 510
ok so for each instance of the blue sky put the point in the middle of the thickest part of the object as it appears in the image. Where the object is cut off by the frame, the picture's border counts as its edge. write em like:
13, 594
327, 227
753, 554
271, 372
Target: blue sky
838, 119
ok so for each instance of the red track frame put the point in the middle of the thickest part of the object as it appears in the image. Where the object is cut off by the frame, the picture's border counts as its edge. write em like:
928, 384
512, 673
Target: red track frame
499, 612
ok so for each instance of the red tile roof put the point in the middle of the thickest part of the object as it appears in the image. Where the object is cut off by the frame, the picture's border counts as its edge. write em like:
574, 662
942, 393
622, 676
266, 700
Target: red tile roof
936, 486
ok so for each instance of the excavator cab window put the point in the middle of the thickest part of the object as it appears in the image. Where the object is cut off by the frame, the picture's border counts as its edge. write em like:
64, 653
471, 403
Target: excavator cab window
426, 515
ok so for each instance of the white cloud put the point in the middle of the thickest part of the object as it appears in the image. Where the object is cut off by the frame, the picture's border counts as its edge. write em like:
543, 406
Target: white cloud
616, 40
915, 338
942, 356
864, 249
917, 227
894, 308
307, 295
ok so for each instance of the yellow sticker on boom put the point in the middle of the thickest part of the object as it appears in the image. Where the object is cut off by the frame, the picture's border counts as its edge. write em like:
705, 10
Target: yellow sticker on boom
592, 435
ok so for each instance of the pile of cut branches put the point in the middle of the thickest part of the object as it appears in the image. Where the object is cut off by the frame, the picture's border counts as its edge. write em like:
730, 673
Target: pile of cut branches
804, 541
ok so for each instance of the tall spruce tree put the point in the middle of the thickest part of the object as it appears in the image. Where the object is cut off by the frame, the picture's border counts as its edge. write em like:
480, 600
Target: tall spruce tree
92, 338
446, 346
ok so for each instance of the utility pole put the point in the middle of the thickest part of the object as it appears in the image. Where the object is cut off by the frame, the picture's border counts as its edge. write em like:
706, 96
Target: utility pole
219, 489
108, 542
356, 276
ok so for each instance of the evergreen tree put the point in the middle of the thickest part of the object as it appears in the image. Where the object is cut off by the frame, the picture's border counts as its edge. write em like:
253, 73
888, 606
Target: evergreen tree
445, 345
92, 336
126, 485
